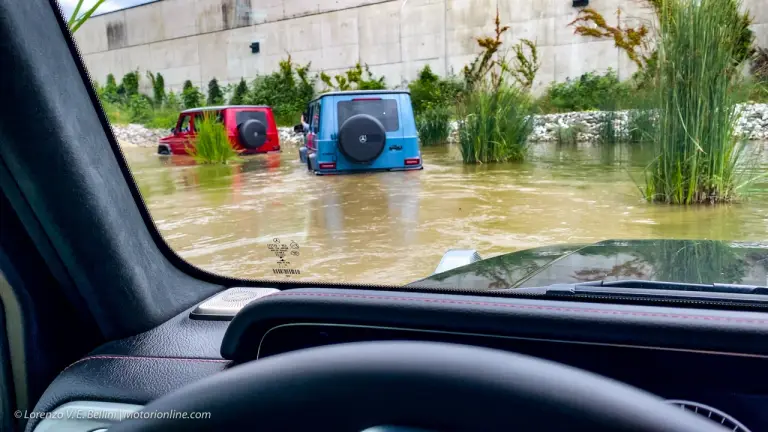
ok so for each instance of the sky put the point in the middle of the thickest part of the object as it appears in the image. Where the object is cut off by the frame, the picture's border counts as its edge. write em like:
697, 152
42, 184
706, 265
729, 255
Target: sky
69, 5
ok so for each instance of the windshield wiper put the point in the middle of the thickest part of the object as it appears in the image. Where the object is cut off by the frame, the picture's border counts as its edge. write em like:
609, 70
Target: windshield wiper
638, 288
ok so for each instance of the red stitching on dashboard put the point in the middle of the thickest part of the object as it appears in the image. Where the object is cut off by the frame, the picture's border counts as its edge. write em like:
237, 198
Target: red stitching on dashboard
529, 307
112, 357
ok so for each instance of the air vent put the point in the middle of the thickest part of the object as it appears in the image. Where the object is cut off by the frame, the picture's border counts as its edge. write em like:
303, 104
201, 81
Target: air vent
713, 414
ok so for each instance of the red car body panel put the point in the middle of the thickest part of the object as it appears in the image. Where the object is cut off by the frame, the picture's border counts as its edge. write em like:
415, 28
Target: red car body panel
183, 139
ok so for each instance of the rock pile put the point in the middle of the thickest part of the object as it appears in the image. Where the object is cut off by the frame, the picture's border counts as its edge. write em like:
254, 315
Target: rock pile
135, 135
753, 121
289, 137
752, 124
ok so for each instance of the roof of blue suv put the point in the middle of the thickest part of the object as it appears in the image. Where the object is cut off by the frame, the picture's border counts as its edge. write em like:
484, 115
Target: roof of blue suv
361, 92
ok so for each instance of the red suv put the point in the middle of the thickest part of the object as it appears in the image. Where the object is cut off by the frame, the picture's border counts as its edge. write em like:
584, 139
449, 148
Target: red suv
251, 129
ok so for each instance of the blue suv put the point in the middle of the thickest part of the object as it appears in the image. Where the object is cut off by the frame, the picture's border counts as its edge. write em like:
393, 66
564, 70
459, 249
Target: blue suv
353, 131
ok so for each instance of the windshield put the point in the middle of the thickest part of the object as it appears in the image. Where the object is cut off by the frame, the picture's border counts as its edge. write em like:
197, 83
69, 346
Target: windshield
398, 131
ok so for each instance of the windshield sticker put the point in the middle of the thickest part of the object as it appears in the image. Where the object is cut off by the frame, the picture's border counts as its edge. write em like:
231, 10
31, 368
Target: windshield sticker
281, 252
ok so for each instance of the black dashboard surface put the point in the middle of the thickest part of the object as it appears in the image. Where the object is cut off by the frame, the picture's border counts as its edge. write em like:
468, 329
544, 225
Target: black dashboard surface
714, 357
724, 381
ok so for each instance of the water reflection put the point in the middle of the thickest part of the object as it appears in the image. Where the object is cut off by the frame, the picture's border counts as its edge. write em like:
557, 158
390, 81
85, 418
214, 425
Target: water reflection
394, 227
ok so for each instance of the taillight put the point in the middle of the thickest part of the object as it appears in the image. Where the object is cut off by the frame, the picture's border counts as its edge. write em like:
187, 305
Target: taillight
327, 165
413, 161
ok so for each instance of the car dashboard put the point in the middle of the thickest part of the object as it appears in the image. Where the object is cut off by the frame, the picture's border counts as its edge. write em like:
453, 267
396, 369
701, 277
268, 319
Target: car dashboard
707, 361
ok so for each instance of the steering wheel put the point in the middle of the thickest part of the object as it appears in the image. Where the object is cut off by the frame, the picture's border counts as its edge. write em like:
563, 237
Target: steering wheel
431, 386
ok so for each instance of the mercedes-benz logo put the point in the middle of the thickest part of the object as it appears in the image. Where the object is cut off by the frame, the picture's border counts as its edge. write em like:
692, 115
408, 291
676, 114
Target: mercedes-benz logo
363, 139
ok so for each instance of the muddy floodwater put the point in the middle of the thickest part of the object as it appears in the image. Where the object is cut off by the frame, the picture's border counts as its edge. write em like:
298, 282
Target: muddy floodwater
268, 218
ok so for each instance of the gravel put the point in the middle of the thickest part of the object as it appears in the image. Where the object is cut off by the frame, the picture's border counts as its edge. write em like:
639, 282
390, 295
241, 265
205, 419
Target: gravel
135, 135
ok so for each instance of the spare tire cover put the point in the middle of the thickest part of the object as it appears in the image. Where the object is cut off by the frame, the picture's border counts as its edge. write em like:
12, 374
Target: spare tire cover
362, 138
252, 134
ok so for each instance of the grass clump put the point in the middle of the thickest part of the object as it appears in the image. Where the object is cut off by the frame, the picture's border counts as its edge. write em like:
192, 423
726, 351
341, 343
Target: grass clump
696, 150
495, 125
569, 135
211, 144
609, 130
434, 125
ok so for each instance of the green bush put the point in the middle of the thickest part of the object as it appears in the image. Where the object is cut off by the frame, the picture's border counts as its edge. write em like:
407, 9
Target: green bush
158, 88
215, 95
115, 113
172, 102
287, 91
139, 109
191, 95
696, 150
591, 91
163, 119
211, 143
240, 93
109, 91
433, 125
130, 85
429, 90
494, 125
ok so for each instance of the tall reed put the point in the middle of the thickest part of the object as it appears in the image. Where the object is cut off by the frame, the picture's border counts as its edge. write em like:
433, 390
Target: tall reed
696, 151
211, 143
495, 124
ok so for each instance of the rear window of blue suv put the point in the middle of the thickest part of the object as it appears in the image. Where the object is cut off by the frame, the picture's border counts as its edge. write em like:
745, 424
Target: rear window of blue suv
384, 110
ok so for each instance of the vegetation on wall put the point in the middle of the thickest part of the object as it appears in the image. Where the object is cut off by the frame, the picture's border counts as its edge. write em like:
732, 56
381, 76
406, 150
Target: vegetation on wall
590, 91
639, 42
429, 90
287, 91
158, 88
524, 66
191, 97
356, 78
240, 93
635, 42
215, 94
487, 64
129, 86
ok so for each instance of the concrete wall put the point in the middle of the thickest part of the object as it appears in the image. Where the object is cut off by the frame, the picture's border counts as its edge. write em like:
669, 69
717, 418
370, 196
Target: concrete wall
202, 39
